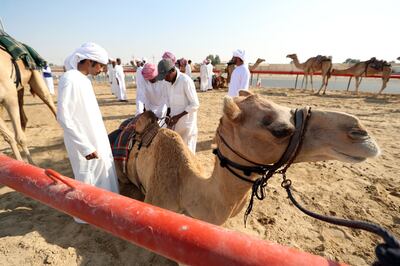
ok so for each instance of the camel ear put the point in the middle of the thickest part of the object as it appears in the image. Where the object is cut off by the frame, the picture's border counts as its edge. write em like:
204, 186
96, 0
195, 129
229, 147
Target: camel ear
245, 93
231, 109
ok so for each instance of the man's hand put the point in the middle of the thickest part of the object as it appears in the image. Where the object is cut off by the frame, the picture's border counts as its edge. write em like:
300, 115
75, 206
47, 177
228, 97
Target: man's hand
91, 156
173, 120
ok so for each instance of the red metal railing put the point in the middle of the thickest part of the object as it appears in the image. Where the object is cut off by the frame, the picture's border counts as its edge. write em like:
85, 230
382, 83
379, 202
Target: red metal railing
169, 234
267, 72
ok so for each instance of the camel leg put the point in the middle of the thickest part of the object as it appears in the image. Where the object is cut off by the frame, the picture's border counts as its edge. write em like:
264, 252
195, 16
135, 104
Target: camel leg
306, 84
384, 83
348, 84
312, 85
12, 107
358, 82
322, 85
325, 83
8, 137
24, 119
40, 89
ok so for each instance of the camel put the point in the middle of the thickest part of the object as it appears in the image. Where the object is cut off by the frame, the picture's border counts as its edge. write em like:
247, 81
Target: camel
11, 98
312, 65
366, 68
230, 67
257, 129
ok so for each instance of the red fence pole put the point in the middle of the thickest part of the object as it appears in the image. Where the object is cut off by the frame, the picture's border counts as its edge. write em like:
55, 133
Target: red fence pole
169, 234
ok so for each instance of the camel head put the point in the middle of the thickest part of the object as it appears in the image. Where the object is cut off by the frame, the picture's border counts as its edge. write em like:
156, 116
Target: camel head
292, 56
145, 119
260, 130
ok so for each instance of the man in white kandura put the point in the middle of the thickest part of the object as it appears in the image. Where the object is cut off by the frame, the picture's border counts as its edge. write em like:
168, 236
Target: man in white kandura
79, 115
240, 76
139, 87
110, 73
210, 68
204, 76
120, 78
155, 92
188, 68
48, 78
182, 102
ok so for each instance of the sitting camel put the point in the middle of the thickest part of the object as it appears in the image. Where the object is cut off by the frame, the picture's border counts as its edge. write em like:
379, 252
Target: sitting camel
312, 65
365, 68
253, 128
230, 67
11, 98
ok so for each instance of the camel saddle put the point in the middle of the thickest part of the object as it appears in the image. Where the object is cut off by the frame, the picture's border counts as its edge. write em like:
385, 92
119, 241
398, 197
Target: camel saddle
321, 58
32, 60
377, 64
126, 136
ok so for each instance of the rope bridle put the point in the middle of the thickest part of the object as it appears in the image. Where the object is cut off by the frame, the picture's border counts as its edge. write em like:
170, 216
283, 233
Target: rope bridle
387, 253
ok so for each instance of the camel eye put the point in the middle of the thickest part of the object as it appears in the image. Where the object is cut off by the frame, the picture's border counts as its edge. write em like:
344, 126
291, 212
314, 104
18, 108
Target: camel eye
266, 121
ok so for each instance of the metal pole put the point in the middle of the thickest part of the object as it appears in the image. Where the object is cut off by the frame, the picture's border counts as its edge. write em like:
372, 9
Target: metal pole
169, 234
2, 25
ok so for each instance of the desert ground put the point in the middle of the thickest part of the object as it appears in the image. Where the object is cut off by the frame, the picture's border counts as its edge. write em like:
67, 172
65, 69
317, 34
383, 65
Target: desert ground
34, 234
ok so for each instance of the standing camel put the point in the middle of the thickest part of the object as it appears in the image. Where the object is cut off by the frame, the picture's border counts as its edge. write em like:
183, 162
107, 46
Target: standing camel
252, 129
11, 98
230, 67
366, 68
312, 65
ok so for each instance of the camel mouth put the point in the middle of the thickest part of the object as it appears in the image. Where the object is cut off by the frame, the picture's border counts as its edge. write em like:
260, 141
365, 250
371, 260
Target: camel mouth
350, 158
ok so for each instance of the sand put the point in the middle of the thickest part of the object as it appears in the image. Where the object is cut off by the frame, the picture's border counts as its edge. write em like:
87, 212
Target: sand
34, 234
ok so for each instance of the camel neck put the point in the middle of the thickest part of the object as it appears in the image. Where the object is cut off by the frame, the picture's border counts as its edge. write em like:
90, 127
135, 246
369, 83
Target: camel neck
297, 63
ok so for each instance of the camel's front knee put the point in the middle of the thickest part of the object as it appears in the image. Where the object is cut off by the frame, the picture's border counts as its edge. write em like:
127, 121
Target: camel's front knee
21, 140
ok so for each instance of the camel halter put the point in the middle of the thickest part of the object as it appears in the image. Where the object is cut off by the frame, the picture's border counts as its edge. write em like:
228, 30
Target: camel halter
387, 253
301, 117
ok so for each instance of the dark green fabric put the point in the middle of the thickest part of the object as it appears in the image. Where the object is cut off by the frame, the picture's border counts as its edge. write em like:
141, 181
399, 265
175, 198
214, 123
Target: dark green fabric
18, 50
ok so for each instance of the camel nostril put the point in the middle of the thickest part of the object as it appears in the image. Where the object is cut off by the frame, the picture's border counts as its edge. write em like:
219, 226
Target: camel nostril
358, 134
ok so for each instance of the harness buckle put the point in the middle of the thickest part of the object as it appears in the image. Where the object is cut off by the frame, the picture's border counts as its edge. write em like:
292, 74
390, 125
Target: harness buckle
286, 183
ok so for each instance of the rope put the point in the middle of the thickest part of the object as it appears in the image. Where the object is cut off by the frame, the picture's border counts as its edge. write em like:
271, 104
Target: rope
388, 254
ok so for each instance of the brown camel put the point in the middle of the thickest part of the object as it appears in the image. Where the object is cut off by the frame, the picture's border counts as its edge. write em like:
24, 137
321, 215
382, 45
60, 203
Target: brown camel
230, 67
366, 68
312, 65
10, 97
258, 130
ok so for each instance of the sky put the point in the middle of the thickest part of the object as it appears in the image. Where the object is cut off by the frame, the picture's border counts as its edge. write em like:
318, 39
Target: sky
358, 29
